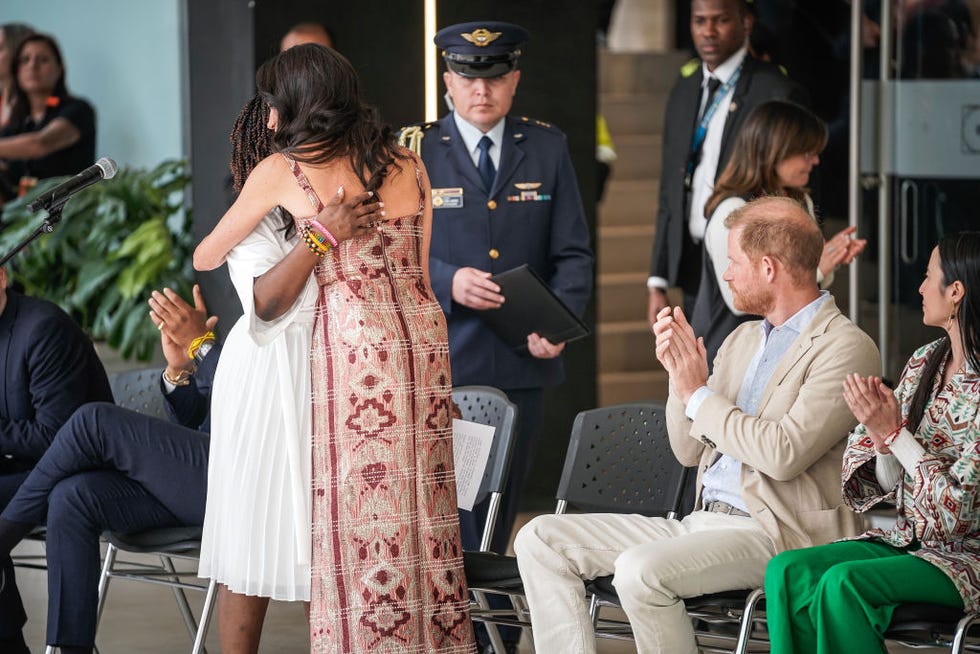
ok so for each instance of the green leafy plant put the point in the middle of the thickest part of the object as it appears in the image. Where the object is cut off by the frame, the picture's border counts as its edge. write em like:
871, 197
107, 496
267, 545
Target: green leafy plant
118, 240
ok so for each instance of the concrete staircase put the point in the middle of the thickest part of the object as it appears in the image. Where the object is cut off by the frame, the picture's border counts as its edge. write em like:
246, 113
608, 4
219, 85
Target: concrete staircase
633, 91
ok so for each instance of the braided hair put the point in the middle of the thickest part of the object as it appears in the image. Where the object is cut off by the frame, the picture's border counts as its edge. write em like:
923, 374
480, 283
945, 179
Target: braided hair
251, 140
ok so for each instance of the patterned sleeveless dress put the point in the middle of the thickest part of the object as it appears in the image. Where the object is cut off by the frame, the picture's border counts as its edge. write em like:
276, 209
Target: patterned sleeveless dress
386, 553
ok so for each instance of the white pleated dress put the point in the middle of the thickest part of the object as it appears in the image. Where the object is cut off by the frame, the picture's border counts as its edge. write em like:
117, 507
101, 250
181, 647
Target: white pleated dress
257, 522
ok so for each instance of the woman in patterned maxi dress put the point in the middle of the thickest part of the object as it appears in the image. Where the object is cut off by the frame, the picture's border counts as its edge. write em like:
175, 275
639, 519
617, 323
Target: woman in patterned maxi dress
386, 555
919, 448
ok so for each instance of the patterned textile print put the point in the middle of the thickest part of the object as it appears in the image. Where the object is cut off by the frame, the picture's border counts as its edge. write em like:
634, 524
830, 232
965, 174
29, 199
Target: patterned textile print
387, 559
938, 505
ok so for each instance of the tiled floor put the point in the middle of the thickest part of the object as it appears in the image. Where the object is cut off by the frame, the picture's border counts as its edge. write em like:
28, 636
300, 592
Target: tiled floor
144, 618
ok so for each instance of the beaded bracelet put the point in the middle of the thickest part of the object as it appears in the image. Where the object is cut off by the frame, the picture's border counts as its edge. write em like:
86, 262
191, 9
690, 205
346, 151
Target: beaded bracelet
318, 226
315, 245
197, 343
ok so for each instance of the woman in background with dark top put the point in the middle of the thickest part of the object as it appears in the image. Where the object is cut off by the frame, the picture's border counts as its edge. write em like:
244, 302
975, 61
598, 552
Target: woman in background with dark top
11, 35
51, 133
774, 152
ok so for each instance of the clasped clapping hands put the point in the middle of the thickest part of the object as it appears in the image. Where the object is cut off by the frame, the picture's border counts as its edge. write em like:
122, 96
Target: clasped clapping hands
874, 405
680, 352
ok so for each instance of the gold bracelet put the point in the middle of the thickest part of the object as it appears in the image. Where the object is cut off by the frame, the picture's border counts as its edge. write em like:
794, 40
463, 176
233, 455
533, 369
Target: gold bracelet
183, 379
197, 343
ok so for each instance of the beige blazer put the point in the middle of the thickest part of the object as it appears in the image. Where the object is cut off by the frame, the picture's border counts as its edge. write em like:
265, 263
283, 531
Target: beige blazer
792, 450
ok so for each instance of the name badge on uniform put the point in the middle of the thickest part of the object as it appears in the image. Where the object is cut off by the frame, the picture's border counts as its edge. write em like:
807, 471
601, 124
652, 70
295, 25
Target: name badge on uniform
529, 193
447, 198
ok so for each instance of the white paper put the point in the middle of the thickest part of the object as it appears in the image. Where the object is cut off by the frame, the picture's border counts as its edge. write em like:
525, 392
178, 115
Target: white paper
471, 449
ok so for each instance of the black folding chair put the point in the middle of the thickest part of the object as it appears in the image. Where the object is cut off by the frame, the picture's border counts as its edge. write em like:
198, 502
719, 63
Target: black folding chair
139, 390
489, 406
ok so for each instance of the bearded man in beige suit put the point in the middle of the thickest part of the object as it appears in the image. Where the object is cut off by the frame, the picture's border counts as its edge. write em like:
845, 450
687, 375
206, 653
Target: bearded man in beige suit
767, 432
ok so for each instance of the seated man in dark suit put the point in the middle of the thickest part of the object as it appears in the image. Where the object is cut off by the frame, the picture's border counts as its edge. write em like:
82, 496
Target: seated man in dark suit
48, 368
113, 469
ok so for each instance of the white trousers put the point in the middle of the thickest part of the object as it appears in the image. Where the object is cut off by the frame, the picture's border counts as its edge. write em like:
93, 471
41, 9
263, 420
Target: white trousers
656, 562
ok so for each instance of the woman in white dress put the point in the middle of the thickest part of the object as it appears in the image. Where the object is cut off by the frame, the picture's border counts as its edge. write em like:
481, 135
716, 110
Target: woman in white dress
256, 541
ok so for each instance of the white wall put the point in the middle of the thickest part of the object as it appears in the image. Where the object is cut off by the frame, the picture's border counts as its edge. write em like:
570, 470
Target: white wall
123, 56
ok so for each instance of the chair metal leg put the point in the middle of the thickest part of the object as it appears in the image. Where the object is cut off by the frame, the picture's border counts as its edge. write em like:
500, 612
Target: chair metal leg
206, 611
962, 627
185, 610
521, 610
594, 611
745, 625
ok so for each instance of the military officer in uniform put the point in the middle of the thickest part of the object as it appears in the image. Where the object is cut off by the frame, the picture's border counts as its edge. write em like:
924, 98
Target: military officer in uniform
504, 194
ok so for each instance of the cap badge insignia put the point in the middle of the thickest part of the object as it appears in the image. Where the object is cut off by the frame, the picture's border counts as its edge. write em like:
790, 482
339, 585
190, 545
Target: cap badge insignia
481, 37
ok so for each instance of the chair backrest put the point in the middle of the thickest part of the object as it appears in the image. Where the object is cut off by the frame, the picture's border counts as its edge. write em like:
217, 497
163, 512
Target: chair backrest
490, 406
619, 460
139, 390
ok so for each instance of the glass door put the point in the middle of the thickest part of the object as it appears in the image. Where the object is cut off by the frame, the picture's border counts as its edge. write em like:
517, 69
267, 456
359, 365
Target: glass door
920, 162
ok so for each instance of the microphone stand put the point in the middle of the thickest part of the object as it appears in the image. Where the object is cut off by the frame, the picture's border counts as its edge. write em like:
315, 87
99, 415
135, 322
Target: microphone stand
46, 227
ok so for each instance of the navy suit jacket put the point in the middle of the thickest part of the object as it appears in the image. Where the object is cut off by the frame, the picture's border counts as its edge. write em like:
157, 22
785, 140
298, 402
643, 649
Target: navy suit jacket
758, 82
190, 405
495, 230
48, 368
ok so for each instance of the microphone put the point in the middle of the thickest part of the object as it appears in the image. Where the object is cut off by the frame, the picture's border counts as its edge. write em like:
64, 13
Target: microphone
104, 168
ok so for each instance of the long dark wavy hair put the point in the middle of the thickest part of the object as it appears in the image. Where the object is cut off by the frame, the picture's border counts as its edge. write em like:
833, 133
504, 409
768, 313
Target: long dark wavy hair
21, 105
773, 132
314, 89
959, 259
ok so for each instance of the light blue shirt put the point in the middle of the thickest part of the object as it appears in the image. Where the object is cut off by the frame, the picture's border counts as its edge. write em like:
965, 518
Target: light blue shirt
471, 138
723, 480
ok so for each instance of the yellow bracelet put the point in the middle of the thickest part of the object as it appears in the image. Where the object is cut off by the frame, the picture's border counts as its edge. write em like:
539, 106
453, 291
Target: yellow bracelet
197, 343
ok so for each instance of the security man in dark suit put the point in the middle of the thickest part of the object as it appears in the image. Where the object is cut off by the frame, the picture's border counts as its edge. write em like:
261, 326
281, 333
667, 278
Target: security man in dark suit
109, 468
707, 105
503, 194
48, 368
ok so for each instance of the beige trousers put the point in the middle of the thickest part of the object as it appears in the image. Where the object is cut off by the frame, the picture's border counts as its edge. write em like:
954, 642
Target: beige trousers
656, 562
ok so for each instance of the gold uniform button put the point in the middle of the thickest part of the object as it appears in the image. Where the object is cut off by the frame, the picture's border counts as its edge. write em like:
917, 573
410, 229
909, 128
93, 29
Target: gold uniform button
494, 253
491, 205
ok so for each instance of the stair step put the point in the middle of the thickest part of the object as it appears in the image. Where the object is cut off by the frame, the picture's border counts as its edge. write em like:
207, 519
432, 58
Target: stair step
624, 249
619, 387
622, 296
638, 156
623, 72
629, 201
633, 113
626, 346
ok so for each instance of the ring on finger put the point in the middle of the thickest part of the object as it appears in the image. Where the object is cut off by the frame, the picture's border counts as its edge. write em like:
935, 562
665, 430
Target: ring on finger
160, 325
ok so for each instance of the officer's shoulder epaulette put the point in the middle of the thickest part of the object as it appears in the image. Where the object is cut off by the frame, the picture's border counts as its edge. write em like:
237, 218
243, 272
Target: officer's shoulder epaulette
690, 67
524, 120
411, 136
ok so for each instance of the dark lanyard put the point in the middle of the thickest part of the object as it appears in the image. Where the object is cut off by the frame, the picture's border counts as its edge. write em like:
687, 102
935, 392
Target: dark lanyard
702, 130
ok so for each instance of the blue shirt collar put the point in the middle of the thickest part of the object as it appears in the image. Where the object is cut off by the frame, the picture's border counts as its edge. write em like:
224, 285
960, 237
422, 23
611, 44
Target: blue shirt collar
799, 320
471, 134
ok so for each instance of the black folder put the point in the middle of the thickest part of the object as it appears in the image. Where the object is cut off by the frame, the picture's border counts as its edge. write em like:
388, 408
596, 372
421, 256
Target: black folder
531, 307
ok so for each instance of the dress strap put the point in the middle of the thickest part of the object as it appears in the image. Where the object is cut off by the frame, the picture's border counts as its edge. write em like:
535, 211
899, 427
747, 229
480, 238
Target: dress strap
418, 179
304, 183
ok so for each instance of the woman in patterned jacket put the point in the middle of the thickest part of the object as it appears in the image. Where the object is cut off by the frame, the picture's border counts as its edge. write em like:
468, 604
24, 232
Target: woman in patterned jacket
918, 447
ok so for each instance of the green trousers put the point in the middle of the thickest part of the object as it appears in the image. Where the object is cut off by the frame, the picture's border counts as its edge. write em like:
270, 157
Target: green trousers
839, 598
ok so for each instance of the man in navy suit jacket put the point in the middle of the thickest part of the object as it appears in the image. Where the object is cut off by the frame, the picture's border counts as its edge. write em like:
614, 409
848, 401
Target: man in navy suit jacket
109, 468
504, 193
720, 88
48, 368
